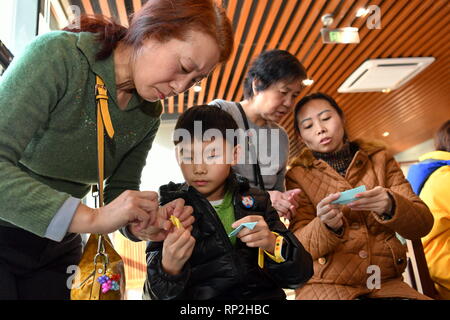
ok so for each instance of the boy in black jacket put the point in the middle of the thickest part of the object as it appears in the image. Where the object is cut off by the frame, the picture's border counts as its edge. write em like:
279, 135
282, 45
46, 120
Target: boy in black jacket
202, 261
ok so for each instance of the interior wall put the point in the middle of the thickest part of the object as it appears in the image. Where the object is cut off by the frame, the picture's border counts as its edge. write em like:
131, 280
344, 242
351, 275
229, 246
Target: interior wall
413, 154
162, 166
19, 23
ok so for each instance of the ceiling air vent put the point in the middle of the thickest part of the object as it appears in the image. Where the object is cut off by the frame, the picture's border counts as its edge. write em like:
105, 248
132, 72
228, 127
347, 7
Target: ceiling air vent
384, 74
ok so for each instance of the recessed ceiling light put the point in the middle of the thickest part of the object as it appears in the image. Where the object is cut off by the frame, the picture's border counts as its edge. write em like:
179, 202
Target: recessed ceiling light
385, 134
386, 90
361, 12
197, 88
307, 82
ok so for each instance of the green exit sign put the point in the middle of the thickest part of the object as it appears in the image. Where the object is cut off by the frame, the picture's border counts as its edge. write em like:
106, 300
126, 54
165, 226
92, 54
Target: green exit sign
341, 35
335, 36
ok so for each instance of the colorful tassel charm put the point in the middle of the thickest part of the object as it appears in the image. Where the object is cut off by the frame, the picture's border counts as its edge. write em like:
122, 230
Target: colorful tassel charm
109, 281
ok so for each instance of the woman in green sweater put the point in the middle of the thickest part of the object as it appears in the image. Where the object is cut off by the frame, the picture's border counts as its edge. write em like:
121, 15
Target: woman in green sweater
48, 151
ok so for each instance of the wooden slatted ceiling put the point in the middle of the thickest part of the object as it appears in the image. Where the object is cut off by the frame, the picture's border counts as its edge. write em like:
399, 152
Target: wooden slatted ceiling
410, 28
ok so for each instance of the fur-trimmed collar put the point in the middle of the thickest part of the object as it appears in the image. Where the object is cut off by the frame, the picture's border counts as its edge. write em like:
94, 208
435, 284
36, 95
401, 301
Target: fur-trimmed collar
306, 157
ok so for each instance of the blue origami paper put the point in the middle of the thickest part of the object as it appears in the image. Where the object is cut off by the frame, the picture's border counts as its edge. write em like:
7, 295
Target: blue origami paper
349, 195
249, 225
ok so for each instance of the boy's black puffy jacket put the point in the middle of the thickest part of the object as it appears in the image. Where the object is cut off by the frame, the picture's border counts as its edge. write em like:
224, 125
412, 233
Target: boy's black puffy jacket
216, 269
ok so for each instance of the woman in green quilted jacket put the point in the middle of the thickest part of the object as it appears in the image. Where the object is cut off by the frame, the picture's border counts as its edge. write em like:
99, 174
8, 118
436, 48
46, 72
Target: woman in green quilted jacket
48, 151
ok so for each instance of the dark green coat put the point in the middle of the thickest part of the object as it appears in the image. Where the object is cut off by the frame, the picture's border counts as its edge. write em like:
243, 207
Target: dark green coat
48, 130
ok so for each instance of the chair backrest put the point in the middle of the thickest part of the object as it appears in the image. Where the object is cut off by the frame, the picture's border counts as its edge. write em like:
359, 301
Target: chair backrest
417, 274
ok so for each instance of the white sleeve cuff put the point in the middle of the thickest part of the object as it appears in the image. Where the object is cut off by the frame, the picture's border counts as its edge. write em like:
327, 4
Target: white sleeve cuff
57, 229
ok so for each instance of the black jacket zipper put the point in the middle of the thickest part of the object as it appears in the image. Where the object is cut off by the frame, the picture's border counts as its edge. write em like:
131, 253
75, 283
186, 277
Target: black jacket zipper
219, 226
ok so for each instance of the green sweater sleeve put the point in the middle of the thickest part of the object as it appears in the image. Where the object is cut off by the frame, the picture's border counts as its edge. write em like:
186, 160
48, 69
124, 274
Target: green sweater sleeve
29, 89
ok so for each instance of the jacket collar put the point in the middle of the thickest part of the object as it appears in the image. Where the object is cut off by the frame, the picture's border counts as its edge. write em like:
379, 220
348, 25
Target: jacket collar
103, 68
306, 158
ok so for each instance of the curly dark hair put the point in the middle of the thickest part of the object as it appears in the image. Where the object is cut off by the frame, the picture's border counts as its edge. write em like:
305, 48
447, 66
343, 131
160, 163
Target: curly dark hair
270, 67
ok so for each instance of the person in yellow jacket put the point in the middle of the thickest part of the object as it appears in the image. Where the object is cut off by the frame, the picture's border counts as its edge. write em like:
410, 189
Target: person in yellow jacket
430, 179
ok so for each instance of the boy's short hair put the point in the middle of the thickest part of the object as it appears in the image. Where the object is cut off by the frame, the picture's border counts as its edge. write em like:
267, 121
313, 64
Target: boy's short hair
210, 117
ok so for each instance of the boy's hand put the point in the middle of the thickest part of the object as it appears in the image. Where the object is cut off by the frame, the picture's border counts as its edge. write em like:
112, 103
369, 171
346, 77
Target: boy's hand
156, 232
177, 249
178, 208
259, 237
160, 227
